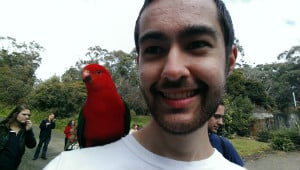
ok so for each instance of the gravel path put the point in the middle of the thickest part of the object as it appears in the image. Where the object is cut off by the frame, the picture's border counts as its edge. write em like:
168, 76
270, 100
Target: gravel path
276, 161
55, 146
269, 161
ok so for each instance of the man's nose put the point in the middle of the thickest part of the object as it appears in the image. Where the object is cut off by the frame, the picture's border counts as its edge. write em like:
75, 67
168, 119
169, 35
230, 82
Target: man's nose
220, 121
175, 65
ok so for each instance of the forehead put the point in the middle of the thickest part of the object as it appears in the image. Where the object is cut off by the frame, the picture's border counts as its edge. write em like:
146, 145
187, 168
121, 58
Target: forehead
220, 110
25, 111
171, 16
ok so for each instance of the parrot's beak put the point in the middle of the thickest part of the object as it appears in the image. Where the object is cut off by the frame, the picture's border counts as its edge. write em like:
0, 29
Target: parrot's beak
86, 77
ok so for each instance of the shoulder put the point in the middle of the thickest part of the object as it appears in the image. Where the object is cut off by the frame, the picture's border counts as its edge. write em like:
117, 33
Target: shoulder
223, 163
90, 158
226, 142
213, 136
216, 142
3, 129
3, 135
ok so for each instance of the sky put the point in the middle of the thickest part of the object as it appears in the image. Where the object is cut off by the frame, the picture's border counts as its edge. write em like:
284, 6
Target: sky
67, 28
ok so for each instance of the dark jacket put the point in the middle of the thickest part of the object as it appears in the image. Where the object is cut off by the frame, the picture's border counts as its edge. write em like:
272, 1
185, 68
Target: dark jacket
46, 129
12, 146
224, 146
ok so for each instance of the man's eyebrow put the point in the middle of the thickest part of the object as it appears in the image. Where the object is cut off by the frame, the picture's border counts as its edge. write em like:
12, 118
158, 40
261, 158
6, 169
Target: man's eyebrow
152, 35
198, 30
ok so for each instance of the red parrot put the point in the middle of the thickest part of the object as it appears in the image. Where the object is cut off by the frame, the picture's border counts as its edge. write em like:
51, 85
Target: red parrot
105, 117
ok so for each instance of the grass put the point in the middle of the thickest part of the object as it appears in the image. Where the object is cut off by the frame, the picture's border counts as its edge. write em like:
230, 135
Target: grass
140, 120
249, 146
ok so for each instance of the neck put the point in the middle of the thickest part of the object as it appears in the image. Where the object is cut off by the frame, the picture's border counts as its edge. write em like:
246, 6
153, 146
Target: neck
15, 126
189, 147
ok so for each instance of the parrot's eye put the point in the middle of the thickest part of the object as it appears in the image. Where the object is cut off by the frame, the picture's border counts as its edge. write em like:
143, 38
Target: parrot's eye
98, 71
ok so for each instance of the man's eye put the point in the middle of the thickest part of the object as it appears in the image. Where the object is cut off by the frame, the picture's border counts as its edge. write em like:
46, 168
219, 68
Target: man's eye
198, 44
153, 50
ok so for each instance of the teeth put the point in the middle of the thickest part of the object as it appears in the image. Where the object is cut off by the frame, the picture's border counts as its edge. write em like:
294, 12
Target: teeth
181, 95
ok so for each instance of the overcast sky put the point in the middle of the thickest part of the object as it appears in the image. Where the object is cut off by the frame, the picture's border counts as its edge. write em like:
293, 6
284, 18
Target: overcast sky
67, 28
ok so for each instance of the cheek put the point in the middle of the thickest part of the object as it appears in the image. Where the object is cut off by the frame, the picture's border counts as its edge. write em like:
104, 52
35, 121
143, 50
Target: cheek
211, 72
20, 117
148, 74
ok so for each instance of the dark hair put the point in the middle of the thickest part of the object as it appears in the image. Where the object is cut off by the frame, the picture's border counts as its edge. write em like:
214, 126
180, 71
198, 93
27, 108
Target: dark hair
223, 17
13, 114
70, 122
221, 102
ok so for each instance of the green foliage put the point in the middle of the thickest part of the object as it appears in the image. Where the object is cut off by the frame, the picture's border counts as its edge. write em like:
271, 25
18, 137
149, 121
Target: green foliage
71, 75
282, 143
238, 115
140, 120
249, 146
265, 135
64, 99
239, 85
18, 63
285, 139
279, 80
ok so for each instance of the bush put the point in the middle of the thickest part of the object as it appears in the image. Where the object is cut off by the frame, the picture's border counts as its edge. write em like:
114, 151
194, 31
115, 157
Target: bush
294, 135
282, 143
265, 135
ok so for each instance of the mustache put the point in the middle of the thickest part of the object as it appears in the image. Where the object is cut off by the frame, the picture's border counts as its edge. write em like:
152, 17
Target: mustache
181, 83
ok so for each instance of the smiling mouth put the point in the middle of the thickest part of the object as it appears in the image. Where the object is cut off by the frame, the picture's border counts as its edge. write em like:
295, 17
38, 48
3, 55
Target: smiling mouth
179, 95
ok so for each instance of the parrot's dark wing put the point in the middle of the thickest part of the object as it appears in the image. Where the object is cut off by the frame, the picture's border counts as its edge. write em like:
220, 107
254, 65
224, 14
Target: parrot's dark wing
80, 129
127, 118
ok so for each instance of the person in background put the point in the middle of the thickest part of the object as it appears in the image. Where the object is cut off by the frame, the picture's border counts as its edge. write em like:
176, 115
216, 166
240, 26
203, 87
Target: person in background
185, 52
134, 128
72, 143
67, 131
15, 134
222, 144
46, 127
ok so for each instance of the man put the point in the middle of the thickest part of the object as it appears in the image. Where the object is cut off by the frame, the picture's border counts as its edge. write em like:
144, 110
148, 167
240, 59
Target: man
46, 127
220, 143
185, 52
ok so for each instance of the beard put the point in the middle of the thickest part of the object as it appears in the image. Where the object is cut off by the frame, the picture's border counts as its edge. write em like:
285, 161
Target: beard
201, 113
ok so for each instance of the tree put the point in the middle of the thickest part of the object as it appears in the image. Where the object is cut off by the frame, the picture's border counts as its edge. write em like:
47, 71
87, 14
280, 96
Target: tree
18, 63
123, 69
292, 55
63, 98
238, 116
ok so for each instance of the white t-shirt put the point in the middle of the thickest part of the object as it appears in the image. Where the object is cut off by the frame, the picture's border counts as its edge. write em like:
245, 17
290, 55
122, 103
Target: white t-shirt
128, 154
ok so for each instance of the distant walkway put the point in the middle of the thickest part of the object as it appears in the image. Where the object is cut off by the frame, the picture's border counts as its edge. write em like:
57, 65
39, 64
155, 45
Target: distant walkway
276, 161
55, 146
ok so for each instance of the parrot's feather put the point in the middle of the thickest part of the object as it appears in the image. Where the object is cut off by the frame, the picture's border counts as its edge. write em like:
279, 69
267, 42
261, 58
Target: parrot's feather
105, 116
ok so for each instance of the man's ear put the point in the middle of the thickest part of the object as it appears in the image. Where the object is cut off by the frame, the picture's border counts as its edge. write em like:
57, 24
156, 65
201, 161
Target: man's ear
232, 59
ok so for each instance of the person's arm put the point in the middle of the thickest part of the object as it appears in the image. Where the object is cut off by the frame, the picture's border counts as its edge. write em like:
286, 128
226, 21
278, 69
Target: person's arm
3, 136
43, 124
30, 140
52, 124
67, 130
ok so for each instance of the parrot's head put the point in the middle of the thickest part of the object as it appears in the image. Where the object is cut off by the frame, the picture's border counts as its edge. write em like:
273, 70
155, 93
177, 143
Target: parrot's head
96, 76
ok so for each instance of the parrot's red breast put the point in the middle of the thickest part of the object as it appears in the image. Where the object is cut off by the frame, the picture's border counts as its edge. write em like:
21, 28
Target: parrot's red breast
104, 112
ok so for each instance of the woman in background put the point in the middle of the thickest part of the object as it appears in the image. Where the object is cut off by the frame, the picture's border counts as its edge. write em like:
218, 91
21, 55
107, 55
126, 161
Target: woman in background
71, 125
15, 133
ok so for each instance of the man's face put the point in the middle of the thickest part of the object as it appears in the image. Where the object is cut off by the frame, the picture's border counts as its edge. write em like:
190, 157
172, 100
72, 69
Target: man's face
51, 116
181, 63
216, 120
